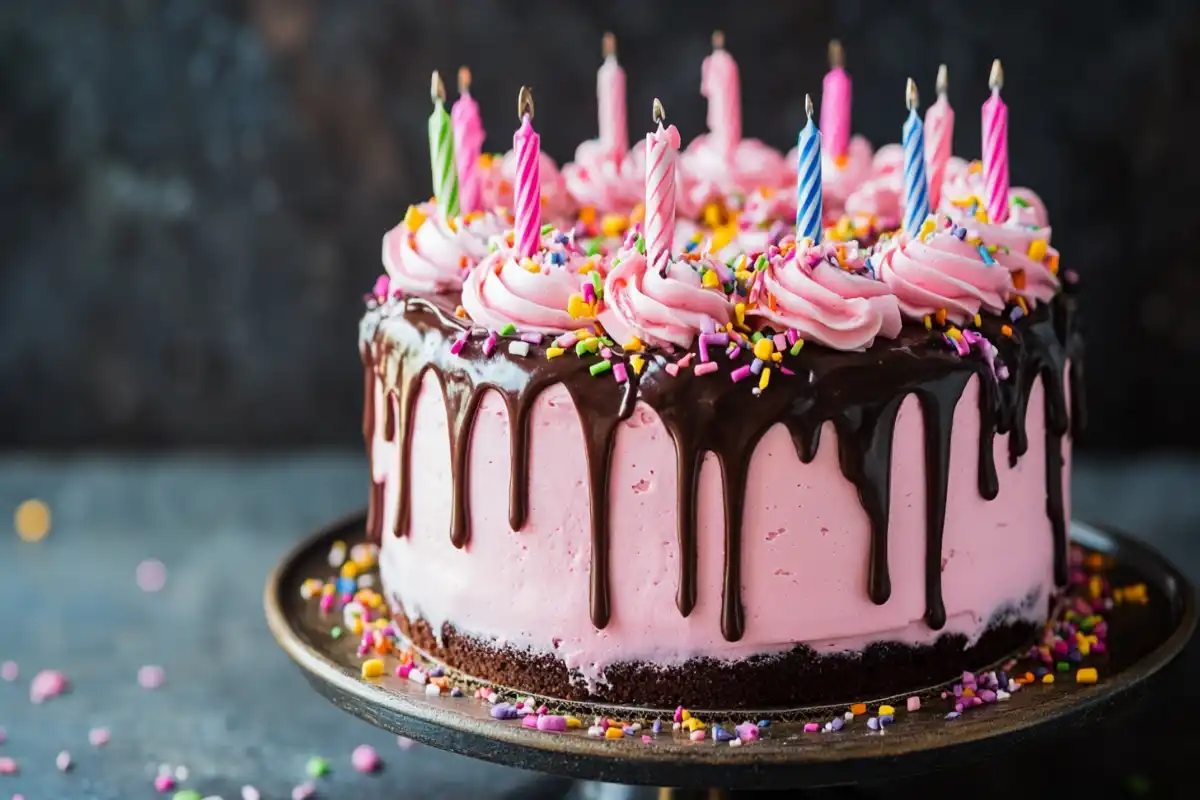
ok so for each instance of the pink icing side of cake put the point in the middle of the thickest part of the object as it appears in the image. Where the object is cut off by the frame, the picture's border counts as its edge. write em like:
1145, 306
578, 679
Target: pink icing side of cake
804, 549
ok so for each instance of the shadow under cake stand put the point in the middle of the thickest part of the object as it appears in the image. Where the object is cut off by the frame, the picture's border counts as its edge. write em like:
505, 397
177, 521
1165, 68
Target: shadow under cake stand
1142, 640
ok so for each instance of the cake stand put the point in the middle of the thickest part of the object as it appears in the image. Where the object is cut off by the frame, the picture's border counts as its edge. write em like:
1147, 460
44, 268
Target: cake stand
1142, 640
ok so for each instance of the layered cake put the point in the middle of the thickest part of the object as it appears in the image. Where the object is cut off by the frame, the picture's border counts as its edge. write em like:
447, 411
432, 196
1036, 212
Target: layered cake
613, 463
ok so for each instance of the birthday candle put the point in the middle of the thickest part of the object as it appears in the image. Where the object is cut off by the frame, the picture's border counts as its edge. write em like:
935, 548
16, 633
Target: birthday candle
528, 190
939, 140
610, 97
720, 85
441, 151
468, 143
916, 191
835, 105
661, 147
995, 148
808, 179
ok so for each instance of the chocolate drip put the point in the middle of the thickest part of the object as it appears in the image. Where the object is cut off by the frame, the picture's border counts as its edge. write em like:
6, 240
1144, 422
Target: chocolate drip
860, 394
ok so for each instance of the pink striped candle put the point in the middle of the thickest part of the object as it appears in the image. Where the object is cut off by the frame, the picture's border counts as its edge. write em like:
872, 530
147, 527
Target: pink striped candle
661, 147
835, 106
468, 144
995, 148
610, 97
939, 138
528, 190
720, 85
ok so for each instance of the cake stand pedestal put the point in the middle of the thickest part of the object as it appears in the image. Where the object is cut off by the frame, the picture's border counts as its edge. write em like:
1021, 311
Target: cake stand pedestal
1142, 640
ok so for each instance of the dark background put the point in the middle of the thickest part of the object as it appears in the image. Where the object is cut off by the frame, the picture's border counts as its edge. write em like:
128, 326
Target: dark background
192, 193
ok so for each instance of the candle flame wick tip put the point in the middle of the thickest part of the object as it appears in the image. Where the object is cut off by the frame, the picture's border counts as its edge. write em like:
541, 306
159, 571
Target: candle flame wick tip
464, 79
609, 44
718, 40
837, 54
659, 113
911, 98
808, 106
525, 102
996, 78
437, 89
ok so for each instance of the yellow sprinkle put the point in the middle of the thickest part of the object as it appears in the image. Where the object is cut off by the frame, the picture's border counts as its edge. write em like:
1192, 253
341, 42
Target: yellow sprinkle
981, 215
777, 356
886, 710
764, 379
356, 627
414, 218
739, 312
349, 570
586, 267
635, 345
954, 333
978, 321
32, 520
723, 235
638, 363
1037, 249
577, 307
927, 228
613, 733
975, 166
763, 348
1047, 678
710, 279
693, 724
685, 715
613, 224
573, 723
1085, 647
529, 265
1087, 675
928, 322
554, 352
372, 668
328, 588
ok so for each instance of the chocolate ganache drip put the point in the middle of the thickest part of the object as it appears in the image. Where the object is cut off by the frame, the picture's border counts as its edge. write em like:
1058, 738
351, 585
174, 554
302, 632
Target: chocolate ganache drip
859, 393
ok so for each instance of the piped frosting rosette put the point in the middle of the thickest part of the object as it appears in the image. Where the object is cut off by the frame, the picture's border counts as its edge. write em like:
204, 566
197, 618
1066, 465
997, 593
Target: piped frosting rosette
839, 177
939, 271
498, 173
826, 293
534, 294
964, 187
707, 174
878, 202
426, 253
608, 182
666, 310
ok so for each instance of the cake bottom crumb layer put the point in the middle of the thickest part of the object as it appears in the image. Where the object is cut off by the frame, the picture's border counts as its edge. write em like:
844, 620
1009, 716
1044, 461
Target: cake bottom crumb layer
798, 677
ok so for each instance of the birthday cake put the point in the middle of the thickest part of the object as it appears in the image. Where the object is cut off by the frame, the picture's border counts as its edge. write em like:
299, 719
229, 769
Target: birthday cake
628, 446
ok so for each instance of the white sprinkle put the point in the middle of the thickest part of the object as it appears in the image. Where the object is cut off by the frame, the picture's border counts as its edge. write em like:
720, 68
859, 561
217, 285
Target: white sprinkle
1002, 695
676, 726
366, 580
63, 761
337, 554
181, 773
416, 676
250, 793
492, 697
518, 349
637, 726
164, 769
433, 690
151, 676
735, 742
595, 731
151, 575
848, 716
214, 797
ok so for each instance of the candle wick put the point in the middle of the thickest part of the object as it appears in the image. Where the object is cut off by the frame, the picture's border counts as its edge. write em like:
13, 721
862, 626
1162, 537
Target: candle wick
437, 90
525, 103
996, 77
808, 106
609, 45
911, 98
718, 40
464, 80
659, 113
837, 55
943, 80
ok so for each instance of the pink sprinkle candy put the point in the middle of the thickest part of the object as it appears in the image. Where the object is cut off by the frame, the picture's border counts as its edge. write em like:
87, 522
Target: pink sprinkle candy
605, 352
706, 368
98, 737
811, 727
405, 743
489, 344
250, 793
326, 603
672, 370
530, 721
914, 704
458, 345
364, 759
402, 670
683, 362
780, 342
646, 738
46, 684
164, 783
304, 791
381, 286
9, 671
8, 766
678, 714
619, 372
697, 735
151, 575
741, 373
63, 761
566, 340
151, 676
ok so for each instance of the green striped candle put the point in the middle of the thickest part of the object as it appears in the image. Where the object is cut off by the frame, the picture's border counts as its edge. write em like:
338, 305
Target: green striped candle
441, 151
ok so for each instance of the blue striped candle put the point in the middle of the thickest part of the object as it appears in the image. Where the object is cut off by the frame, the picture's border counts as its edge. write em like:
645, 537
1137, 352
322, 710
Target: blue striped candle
916, 187
808, 179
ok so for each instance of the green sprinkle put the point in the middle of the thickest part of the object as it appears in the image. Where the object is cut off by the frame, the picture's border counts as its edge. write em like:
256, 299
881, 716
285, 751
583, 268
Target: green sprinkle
547, 228
641, 245
607, 342
581, 348
1063, 666
797, 347
756, 336
187, 794
317, 767
760, 263
600, 367
597, 284
336, 633
593, 248
508, 330
1019, 203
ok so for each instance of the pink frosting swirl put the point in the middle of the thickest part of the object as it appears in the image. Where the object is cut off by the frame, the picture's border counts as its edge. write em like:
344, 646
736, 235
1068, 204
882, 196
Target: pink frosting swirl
811, 291
878, 200
497, 174
964, 183
425, 253
846, 271
1025, 252
502, 289
661, 311
710, 175
942, 271
598, 180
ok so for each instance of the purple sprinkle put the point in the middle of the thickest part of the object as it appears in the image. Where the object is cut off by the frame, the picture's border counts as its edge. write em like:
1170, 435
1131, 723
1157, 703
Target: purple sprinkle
551, 722
986, 696
657, 726
756, 366
703, 348
532, 338
873, 723
720, 734
886, 719
733, 351
747, 731
503, 711
954, 715
456, 692
707, 326
838, 723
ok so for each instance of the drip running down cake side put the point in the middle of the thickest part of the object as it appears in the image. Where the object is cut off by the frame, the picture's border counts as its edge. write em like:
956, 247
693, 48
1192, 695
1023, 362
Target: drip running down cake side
657, 453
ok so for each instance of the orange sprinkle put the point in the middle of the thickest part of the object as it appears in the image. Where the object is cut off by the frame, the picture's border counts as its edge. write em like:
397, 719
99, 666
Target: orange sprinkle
1053, 263
1024, 306
463, 261
1006, 330
1094, 561
639, 213
940, 316
587, 215
858, 708
1018, 279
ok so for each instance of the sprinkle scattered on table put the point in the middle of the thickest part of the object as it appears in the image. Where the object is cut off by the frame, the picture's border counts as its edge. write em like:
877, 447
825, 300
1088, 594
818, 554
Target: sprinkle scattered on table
9, 671
32, 520
151, 676
151, 575
47, 684
98, 737
364, 759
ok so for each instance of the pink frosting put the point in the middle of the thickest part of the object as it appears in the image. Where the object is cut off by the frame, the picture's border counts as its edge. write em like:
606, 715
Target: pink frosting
1014, 241
838, 182
500, 289
708, 174
436, 257
659, 310
837, 313
854, 276
942, 271
963, 183
880, 200
498, 175
596, 179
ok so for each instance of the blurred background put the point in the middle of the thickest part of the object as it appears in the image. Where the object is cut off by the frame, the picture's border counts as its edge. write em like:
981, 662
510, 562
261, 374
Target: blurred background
192, 193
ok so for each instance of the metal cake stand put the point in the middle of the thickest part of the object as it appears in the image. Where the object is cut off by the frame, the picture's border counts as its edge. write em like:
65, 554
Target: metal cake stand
1142, 640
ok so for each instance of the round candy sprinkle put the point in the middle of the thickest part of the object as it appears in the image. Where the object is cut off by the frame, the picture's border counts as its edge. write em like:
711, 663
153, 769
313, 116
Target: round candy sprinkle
9, 671
317, 767
151, 575
304, 791
364, 759
186, 794
98, 737
8, 766
164, 783
32, 520
405, 743
63, 761
250, 793
151, 676
47, 684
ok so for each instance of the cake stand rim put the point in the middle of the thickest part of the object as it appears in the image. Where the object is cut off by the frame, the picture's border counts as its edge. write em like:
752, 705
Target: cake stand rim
749, 767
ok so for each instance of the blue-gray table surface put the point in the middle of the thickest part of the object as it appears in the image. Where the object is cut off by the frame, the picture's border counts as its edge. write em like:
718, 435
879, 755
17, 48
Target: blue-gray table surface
235, 711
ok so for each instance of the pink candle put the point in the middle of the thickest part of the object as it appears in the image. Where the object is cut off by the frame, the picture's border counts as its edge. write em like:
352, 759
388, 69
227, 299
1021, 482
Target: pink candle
835, 106
939, 138
528, 190
610, 96
995, 148
720, 86
661, 147
468, 144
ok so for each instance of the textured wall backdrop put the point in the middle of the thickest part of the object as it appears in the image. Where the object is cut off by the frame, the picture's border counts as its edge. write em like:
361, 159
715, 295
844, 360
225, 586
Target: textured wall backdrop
192, 193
